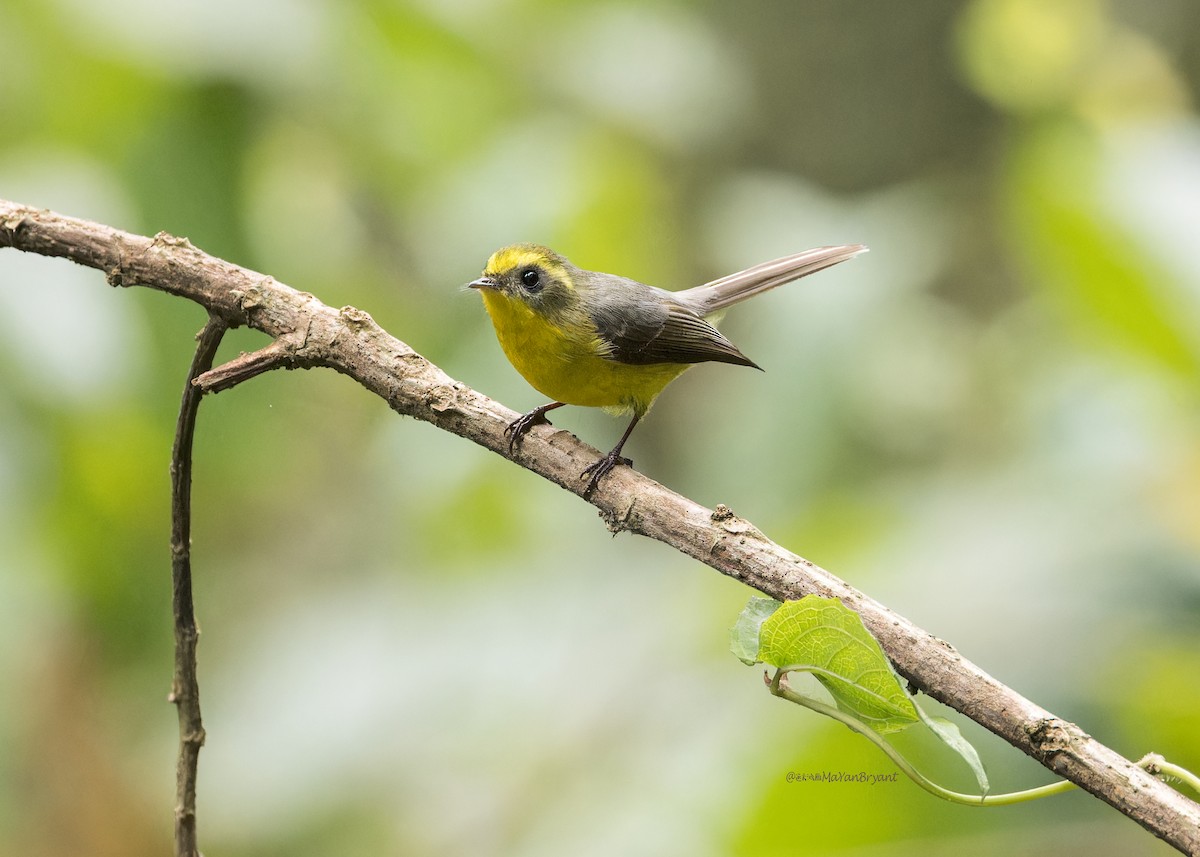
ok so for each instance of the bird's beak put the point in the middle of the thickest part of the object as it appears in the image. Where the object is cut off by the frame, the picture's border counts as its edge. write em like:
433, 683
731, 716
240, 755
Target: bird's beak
484, 283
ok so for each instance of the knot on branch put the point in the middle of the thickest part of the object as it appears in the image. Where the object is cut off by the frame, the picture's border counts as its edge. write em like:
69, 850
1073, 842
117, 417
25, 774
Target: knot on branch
356, 318
12, 224
1051, 735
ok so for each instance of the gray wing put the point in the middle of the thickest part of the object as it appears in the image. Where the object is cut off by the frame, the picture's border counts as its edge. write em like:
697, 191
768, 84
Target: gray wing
653, 328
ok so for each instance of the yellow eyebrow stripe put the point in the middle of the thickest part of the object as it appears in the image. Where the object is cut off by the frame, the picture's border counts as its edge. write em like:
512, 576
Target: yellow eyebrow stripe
518, 256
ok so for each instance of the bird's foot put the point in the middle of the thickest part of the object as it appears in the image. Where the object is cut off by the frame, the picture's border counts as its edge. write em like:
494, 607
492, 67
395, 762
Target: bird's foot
519, 427
601, 467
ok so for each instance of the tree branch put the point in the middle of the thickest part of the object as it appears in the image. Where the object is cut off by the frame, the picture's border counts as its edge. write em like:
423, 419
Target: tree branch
350, 342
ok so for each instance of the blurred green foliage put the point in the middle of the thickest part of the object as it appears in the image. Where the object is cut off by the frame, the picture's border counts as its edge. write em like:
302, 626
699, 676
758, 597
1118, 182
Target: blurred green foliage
411, 646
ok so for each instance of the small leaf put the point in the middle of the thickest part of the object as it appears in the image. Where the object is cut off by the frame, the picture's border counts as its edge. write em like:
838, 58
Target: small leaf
743, 636
953, 738
824, 637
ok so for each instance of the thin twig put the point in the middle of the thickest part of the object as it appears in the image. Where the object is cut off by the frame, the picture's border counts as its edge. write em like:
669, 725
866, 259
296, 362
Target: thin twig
185, 688
350, 342
279, 353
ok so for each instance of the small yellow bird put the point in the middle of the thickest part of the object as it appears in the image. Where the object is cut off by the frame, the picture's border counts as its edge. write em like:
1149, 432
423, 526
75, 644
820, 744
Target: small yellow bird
603, 341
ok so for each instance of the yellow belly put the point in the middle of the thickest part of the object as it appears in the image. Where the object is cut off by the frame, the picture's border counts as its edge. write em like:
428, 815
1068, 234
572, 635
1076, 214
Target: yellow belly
569, 366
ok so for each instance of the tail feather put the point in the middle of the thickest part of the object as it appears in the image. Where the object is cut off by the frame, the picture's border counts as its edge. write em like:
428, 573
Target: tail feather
734, 288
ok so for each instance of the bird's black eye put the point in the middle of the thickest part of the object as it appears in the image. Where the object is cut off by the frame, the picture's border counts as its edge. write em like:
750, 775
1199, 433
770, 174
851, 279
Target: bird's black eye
532, 280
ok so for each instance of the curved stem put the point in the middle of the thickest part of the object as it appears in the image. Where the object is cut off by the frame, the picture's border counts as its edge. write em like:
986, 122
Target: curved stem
1160, 767
778, 688
185, 688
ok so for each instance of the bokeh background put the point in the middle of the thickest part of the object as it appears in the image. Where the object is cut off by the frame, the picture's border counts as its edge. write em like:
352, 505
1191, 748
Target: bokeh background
411, 646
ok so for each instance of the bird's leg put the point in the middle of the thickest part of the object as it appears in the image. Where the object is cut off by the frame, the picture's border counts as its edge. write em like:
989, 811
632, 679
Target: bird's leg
608, 462
520, 426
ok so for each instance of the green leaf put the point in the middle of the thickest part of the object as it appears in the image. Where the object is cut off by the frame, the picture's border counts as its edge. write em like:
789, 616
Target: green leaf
953, 738
822, 636
743, 636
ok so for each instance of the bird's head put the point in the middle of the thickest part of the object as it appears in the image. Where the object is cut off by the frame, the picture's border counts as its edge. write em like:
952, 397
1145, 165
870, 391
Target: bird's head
530, 274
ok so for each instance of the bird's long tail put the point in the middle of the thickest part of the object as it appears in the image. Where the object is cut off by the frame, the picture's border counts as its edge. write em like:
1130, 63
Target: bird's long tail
734, 288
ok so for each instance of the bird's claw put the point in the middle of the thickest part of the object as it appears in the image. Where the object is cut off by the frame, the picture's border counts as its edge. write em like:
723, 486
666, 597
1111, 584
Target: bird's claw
598, 470
519, 427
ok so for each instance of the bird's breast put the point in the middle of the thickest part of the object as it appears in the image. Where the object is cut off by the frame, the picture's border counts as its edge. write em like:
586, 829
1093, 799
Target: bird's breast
569, 365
